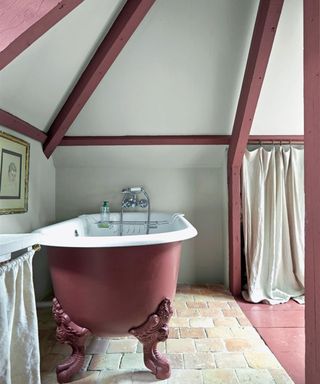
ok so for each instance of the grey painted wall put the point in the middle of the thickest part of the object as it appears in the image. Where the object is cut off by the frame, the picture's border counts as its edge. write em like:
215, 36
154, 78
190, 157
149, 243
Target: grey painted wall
41, 209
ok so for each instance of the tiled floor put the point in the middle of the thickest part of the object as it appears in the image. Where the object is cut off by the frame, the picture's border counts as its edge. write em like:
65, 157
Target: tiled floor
282, 328
210, 342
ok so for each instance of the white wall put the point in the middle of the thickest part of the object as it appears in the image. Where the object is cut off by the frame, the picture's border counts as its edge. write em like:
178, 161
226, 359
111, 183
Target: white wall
280, 107
197, 191
41, 209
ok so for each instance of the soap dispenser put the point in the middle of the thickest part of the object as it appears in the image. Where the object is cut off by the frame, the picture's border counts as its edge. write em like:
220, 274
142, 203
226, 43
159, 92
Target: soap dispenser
105, 214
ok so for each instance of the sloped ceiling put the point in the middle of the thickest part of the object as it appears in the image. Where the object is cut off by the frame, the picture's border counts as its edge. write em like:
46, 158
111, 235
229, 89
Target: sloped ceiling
280, 107
35, 85
179, 74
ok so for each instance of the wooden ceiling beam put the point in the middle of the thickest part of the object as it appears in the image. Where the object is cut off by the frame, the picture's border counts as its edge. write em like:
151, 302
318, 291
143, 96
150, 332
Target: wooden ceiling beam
146, 140
261, 44
23, 22
262, 40
312, 187
16, 124
122, 29
71, 141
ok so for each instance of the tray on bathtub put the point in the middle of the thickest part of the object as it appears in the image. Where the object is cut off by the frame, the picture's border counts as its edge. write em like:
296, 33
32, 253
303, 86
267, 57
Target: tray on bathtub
152, 223
136, 226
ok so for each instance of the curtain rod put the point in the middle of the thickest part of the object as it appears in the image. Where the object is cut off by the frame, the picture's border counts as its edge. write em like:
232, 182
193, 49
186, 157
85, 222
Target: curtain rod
280, 142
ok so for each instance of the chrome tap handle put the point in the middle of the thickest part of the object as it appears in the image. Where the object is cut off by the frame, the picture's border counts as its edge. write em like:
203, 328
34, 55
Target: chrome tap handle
143, 203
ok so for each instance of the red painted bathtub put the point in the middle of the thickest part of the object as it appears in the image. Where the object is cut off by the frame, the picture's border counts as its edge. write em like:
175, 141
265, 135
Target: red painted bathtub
111, 290
111, 285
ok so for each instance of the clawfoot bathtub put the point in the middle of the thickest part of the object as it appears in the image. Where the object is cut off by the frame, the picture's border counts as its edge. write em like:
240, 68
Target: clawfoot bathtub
111, 285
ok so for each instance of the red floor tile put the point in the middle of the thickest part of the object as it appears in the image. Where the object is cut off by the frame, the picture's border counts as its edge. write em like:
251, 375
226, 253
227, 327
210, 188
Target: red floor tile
293, 363
282, 328
276, 319
284, 339
290, 305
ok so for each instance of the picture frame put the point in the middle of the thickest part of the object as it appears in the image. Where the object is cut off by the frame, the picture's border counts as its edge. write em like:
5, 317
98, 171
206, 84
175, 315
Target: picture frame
14, 174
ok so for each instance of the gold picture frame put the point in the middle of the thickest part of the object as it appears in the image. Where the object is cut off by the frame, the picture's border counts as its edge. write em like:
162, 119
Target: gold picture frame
14, 174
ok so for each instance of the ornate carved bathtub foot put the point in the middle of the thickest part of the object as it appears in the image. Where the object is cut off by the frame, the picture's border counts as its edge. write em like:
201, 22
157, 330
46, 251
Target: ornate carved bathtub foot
155, 329
70, 333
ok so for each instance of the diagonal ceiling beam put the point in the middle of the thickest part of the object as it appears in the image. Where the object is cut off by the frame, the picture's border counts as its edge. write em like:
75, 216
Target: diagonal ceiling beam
262, 40
16, 124
261, 44
22, 22
122, 29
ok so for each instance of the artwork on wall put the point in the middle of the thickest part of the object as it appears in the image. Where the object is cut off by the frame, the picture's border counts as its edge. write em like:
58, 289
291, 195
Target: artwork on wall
14, 174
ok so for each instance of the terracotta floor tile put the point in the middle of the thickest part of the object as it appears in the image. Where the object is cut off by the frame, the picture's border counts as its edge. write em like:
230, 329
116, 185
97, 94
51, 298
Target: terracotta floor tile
226, 322
254, 376
212, 312
219, 376
176, 360
261, 360
141, 377
200, 356
132, 361
230, 360
174, 333
194, 333
115, 377
97, 345
122, 346
196, 304
239, 344
219, 305
180, 345
210, 345
108, 361
218, 331
179, 322
199, 360
280, 376
190, 376
187, 312
201, 322
161, 348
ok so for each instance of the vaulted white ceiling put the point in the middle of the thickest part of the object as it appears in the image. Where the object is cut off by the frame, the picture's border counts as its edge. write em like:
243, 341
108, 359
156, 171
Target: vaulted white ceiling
179, 74
35, 85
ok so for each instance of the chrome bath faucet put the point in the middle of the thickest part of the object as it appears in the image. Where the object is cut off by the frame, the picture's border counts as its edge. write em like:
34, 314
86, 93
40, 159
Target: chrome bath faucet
130, 200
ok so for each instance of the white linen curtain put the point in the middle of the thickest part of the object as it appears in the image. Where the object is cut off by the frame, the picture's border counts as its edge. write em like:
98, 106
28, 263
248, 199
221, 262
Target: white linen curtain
19, 342
273, 224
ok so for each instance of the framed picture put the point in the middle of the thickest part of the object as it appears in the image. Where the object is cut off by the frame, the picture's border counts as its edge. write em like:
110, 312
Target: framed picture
14, 174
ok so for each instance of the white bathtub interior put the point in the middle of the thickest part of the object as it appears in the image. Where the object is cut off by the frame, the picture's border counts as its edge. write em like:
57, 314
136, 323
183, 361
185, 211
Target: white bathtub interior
87, 231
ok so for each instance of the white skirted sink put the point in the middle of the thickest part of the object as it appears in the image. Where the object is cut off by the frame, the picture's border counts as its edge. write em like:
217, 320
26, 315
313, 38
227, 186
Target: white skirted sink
15, 242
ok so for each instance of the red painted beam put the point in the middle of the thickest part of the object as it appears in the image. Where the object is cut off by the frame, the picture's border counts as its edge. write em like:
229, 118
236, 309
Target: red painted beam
122, 29
276, 138
145, 140
69, 141
22, 22
12, 122
312, 186
262, 40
